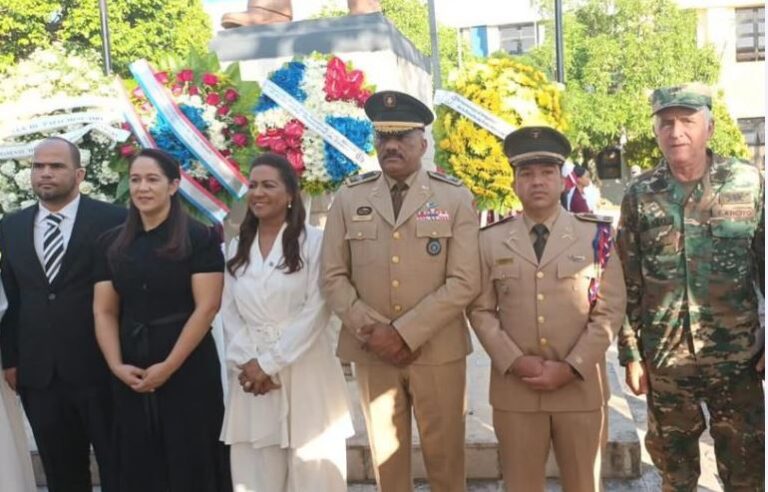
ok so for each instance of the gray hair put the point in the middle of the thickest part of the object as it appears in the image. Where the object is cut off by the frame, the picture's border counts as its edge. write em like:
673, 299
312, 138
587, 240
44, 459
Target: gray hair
705, 111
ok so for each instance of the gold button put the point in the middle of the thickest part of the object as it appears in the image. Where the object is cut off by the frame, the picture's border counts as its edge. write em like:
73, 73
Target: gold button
434, 233
395, 283
539, 274
359, 234
397, 308
541, 319
539, 297
396, 235
543, 341
395, 259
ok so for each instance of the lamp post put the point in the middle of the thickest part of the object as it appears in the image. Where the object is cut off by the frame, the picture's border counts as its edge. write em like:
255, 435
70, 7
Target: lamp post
559, 41
436, 78
105, 46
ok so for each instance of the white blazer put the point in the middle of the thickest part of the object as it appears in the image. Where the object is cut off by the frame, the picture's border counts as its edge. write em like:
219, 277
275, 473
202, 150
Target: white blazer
282, 321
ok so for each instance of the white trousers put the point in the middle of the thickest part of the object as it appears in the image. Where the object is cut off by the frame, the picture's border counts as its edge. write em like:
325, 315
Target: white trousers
276, 469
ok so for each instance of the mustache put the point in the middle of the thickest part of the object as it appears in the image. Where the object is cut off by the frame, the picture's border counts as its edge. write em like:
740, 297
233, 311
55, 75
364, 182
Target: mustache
392, 153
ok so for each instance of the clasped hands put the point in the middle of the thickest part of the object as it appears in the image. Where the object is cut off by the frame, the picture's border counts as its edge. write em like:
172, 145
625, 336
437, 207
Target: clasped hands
387, 344
144, 380
542, 375
253, 379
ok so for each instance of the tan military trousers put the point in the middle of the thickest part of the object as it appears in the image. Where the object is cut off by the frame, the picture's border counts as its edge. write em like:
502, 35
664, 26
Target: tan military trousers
524, 441
437, 395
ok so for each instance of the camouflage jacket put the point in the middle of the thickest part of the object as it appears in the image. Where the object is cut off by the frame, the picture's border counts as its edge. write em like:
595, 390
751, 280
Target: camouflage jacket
696, 262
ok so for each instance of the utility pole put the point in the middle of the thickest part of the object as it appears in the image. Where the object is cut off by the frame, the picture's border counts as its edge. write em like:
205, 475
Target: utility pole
559, 41
436, 80
105, 45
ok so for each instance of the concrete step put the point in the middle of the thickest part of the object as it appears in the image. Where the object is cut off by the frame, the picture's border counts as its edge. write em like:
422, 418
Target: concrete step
621, 460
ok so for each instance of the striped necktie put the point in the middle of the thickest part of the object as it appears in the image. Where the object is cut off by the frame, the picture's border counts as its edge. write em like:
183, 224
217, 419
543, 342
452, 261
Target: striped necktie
53, 246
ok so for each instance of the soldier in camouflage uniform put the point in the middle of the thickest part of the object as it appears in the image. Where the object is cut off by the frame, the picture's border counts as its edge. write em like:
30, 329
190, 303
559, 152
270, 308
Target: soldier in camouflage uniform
691, 240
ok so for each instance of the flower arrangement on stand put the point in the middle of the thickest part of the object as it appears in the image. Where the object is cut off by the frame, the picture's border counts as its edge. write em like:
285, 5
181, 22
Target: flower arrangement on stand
330, 88
58, 93
512, 91
218, 105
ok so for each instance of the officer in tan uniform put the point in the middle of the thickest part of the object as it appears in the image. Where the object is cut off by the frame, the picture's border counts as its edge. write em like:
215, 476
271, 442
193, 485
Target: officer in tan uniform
400, 264
552, 300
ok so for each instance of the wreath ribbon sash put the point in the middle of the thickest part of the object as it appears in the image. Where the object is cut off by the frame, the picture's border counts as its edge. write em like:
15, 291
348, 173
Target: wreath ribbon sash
479, 115
225, 172
190, 189
318, 125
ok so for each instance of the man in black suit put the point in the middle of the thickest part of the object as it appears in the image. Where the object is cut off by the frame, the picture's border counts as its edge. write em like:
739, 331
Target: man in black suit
49, 351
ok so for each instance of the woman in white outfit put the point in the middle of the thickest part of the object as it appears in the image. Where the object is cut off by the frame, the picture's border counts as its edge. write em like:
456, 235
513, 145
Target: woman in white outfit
15, 465
287, 415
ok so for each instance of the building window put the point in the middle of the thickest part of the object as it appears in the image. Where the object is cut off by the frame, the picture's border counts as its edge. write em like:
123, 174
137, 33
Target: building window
754, 133
517, 39
750, 34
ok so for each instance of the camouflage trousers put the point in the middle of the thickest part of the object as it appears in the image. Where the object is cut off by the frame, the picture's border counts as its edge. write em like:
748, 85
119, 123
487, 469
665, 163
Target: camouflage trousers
736, 422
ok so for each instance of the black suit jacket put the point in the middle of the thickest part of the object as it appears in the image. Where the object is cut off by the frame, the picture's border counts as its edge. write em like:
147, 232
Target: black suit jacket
48, 328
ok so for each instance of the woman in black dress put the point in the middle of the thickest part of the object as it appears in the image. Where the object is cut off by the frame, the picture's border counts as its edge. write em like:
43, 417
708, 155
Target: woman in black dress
158, 288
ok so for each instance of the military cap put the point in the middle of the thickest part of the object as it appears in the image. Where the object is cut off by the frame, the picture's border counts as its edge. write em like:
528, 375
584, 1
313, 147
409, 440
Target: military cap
397, 112
536, 144
694, 95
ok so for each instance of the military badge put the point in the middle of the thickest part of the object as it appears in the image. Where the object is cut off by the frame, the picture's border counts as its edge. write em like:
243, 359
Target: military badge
434, 247
433, 214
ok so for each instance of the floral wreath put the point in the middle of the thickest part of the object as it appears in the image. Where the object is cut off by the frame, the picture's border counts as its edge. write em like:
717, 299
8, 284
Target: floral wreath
516, 93
54, 82
326, 86
216, 102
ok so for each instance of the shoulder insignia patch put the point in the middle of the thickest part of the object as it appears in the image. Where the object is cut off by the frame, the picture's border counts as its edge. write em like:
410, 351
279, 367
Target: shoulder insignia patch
502, 221
606, 219
445, 178
362, 178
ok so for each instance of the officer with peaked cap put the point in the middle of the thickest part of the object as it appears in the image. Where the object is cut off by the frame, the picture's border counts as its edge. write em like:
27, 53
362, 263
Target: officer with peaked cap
400, 264
692, 244
552, 300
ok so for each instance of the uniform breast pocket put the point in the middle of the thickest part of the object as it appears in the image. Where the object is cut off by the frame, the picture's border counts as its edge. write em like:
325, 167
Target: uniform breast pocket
433, 236
576, 271
504, 278
731, 246
361, 237
662, 258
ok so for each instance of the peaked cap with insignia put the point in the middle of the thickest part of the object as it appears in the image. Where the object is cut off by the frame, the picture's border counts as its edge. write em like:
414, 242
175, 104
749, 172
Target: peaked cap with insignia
397, 112
536, 144
694, 95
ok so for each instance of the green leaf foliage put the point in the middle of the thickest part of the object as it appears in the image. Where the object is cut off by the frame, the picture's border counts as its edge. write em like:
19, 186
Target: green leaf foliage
148, 29
616, 52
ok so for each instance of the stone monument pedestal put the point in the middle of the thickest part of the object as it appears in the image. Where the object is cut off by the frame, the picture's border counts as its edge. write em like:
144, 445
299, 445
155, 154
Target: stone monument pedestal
370, 42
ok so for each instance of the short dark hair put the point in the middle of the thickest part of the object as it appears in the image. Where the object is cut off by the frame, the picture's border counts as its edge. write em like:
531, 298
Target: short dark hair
74, 152
579, 171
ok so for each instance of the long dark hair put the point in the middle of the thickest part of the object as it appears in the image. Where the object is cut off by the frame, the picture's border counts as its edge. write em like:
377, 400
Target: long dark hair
177, 244
294, 219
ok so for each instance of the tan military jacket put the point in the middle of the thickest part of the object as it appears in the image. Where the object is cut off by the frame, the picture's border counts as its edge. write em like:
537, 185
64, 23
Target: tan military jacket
418, 272
544, 309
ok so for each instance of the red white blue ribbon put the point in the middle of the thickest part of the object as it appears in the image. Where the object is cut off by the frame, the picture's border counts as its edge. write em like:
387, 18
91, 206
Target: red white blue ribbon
190, 189
602, 245
224, 171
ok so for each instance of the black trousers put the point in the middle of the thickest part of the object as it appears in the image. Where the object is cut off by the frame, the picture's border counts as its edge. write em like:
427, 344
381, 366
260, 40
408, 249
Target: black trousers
66, 419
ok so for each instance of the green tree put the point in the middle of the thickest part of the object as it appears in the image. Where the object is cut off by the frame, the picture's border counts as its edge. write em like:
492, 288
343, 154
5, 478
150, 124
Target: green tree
615, 53
411, 18
149, 29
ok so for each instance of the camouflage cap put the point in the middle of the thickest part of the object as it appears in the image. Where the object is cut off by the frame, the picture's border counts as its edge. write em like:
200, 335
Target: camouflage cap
694, 95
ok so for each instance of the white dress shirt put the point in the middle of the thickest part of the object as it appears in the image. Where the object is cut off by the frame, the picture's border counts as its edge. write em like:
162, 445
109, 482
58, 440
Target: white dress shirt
69, 212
